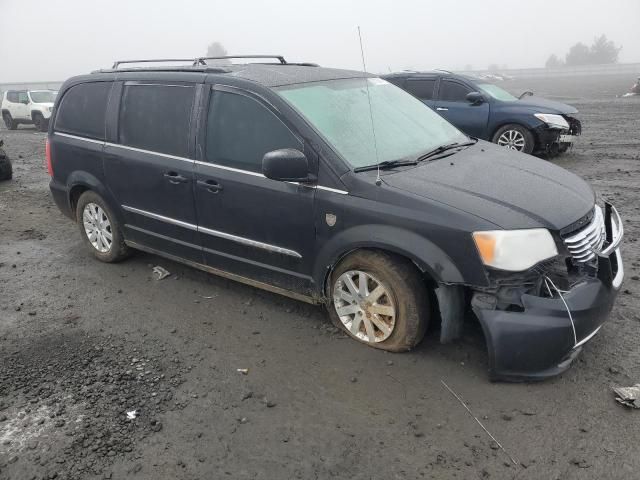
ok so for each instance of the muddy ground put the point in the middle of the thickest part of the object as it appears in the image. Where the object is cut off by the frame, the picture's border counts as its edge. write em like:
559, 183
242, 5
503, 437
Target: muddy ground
82, 343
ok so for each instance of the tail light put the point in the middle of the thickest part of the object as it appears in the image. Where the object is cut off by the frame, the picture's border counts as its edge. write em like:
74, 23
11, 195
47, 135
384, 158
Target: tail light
47, 154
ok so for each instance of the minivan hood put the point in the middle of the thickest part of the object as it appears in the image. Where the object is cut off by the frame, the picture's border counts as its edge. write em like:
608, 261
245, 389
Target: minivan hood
509, 189
542, 105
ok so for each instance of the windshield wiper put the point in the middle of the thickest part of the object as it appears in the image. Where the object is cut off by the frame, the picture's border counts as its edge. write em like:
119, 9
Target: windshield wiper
401, 163
386, 165
443, 148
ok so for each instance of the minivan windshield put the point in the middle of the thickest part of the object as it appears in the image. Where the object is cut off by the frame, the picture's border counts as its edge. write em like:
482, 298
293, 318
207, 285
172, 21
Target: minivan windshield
43, 96
405, 128
496, 92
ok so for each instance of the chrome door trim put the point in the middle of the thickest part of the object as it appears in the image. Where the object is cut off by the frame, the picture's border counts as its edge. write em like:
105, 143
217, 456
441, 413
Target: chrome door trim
256, 174
163, 237
215, 233
229, 169
162, 218
75, 137
150, 152
249, 242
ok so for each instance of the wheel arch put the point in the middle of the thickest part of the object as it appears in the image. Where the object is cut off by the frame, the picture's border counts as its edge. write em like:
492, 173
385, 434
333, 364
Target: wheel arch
504, 123
79, 182
430, 260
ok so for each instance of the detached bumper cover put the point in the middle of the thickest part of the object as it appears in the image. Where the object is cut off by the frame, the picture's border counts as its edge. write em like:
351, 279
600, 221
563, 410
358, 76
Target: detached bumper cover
543, 340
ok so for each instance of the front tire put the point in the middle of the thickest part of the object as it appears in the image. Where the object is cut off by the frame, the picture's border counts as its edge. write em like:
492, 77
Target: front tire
516, 137
379, 299
100, 229
10, 123
40, 122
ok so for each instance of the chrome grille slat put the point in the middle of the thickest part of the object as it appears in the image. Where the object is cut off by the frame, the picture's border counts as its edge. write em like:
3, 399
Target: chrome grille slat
593, 237
583, 244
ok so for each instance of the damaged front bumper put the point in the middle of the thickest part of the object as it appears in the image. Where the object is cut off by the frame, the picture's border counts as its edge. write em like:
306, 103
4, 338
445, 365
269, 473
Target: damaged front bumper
553, 140
541, 335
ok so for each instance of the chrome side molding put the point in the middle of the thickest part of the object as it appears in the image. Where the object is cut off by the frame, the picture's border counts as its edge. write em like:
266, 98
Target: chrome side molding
215, 233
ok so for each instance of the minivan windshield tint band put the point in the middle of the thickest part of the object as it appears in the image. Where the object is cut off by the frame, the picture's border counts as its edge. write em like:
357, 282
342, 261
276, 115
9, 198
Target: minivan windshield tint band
339, 110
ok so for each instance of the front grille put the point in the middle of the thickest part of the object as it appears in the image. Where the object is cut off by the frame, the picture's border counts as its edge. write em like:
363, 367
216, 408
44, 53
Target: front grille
582, 244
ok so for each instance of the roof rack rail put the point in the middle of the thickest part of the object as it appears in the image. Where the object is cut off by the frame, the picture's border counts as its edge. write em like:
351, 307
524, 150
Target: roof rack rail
117, 63
442, 70
202, 60
198, 60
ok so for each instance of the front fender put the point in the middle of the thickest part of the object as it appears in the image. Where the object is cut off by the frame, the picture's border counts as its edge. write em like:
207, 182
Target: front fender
426, 255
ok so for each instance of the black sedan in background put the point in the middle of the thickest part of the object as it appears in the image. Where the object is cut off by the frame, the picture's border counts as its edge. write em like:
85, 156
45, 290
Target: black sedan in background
528, 124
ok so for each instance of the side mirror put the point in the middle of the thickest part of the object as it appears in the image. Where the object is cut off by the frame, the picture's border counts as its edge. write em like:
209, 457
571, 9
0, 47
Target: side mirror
475, 98
287, 165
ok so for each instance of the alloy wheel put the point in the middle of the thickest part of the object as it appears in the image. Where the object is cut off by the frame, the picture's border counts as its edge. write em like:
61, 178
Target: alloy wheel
365, 306
97, 227
512, 139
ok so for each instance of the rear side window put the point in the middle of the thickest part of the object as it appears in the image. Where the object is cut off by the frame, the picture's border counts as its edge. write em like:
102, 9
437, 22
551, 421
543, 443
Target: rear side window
156, 118
12, 97
421, 88
82, 110
453, 91
240, 130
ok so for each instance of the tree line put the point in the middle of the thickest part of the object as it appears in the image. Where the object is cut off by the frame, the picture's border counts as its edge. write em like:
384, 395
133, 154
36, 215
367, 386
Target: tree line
600, 52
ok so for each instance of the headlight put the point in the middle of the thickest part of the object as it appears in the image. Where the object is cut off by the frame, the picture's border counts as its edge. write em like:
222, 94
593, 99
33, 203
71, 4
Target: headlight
552, 120
515, 250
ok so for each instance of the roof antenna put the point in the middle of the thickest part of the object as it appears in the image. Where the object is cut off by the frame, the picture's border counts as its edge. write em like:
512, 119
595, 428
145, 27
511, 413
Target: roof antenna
373, 128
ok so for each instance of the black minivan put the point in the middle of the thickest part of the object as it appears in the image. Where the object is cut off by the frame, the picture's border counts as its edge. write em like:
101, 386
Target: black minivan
337, 187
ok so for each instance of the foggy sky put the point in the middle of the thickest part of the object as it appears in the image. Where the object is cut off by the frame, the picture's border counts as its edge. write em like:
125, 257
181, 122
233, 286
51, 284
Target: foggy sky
50, 40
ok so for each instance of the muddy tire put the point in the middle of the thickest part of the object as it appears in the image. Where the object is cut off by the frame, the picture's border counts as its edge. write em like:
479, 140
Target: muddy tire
40, 122
379, 296
515, 137
100, 229
9, 122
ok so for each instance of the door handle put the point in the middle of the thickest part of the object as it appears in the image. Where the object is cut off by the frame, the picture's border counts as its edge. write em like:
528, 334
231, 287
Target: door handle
210, 185
442, 109
175, 178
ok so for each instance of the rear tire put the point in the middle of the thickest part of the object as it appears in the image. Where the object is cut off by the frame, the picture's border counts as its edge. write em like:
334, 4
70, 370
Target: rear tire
516, 137
10, 123
100, 229
392, 307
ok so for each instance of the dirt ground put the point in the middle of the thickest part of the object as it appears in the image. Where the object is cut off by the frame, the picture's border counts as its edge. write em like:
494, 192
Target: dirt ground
83, 343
